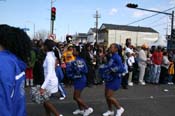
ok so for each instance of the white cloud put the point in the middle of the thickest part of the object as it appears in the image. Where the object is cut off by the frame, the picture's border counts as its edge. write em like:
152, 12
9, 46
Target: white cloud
172, 2
113, 11
139, 13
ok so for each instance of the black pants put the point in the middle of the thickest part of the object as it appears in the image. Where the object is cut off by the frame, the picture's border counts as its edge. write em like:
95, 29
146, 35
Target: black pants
163, 79
125, 81
90, 76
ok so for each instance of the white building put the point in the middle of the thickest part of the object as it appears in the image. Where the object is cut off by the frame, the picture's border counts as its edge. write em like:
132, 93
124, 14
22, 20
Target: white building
91, 35
80, 38
110, 33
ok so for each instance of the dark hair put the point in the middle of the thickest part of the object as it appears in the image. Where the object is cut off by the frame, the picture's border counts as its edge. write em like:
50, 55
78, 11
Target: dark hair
77, 48
51, 46
128, 42
16, 41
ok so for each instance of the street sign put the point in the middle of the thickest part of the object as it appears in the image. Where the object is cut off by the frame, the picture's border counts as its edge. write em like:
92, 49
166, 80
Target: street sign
52, 36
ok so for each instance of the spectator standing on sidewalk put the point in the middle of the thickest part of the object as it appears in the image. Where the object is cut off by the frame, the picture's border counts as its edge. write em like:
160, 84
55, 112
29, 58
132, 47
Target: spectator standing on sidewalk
29, 70
171, 72
87, 54
129, 61
67, 58
112, 72
142, 63
15, 46
164, 69
157, 58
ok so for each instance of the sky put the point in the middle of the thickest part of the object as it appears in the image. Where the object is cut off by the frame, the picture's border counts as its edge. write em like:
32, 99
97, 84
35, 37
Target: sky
77, 16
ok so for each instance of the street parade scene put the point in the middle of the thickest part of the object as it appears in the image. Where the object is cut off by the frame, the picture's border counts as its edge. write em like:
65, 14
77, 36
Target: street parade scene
55, 61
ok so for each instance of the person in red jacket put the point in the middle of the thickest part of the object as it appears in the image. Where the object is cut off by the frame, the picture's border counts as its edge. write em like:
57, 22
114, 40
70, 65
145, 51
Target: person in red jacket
157, 60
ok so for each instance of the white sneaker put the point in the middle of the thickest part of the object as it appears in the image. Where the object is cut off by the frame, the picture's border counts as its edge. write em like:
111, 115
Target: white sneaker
170, 83
120, 111
130, 83
108, 113
62, 98
60, 115
142, 83
88, 111
78, 111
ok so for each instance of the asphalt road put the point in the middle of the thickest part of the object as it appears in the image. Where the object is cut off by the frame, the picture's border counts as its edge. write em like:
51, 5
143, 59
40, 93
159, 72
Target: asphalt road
148, 100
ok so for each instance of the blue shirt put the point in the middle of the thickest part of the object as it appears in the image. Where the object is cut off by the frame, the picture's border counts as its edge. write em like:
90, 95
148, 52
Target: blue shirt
113, 69
12, 80
77, 70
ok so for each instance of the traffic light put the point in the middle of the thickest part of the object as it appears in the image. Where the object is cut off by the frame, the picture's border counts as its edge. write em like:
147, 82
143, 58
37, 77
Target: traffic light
130, 5
53, 13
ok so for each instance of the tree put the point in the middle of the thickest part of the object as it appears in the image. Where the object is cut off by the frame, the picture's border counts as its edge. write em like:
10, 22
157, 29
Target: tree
42, 34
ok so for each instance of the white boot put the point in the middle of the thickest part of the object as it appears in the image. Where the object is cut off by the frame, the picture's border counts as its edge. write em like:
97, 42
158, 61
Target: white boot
27, 82
31, 82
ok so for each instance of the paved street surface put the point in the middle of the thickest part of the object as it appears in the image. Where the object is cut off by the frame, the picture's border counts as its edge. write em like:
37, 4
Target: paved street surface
149, 100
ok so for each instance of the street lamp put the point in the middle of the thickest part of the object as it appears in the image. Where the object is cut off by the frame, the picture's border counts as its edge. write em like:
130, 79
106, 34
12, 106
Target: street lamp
170, 42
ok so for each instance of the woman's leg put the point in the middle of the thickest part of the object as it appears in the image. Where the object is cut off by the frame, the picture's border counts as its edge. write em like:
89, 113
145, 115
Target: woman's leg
50, 108
46, 109
109, 94
107, 100
77, 97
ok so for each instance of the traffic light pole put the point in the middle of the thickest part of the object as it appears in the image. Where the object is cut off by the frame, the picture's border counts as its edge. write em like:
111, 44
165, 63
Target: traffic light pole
52, 27
51, 21
135, 6
171, 14
153, 11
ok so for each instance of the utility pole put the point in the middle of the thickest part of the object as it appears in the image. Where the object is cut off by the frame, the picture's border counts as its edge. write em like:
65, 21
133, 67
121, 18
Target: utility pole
97, 16
172, 23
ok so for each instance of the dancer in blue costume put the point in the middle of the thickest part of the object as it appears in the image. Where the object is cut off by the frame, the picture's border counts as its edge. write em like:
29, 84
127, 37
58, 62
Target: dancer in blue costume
112, 73
15, 49
78, 70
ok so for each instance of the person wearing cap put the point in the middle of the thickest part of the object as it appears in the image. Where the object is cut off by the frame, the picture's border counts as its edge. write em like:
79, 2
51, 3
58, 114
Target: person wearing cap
67, 55
112, 74
142, 63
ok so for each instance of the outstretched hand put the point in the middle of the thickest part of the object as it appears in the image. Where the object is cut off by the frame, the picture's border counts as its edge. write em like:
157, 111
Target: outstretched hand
42, 91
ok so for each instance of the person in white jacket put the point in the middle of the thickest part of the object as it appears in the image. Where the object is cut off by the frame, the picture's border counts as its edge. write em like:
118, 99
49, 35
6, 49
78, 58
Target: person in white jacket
142, 63
51, 81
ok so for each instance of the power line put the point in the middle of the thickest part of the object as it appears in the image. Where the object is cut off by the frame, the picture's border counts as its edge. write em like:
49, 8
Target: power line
150, 16
160, 24
156, 20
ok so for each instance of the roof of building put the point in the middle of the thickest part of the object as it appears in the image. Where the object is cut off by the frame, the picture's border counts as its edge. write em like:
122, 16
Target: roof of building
127, 28
82, 34
92, 30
